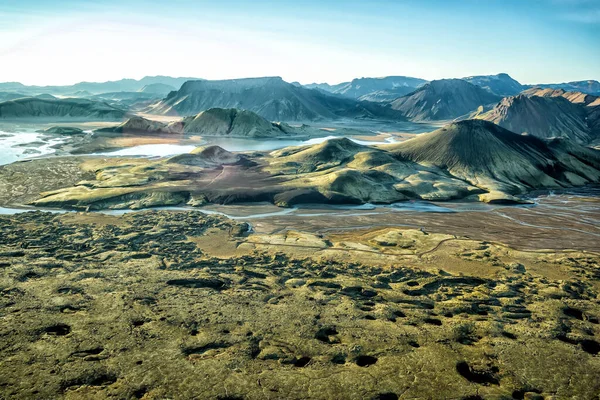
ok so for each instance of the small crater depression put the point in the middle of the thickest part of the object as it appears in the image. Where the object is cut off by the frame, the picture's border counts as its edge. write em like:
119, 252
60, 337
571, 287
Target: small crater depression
573, 313
57, 330
590, 346
365, 361
386, 396
200, 283
301, 362
482, 377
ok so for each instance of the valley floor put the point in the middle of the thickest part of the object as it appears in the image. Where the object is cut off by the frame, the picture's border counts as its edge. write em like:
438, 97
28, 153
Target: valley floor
168, 304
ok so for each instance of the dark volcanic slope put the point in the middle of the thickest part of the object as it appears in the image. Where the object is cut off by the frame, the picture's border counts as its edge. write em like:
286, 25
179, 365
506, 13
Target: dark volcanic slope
32, 107
443, 100
271, 98
491, 157
544, 117
590, 103
501, 84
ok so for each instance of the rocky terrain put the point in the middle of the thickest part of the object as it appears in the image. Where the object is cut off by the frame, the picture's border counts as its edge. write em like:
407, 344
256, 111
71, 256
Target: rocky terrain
158, 305
444, 99
544, 117
60, 109
470, 159
271, 98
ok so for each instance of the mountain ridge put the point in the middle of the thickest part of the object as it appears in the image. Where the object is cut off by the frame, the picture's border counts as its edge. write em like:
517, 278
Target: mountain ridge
443, 99
544, 117
270, 97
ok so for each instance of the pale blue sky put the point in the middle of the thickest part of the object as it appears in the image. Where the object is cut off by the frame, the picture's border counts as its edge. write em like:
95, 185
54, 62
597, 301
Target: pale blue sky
66, 41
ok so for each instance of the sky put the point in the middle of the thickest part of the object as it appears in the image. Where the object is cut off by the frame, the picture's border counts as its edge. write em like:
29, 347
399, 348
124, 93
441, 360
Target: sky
59, 42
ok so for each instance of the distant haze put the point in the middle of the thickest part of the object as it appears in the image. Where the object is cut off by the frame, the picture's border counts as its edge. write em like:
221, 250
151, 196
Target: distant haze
59, 42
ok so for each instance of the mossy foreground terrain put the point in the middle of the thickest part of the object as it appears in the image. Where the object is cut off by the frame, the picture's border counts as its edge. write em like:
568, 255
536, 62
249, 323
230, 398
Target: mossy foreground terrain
181, 305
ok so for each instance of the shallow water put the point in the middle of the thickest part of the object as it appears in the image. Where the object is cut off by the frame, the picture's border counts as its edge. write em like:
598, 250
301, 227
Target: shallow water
229, 144
267, 210
12, 149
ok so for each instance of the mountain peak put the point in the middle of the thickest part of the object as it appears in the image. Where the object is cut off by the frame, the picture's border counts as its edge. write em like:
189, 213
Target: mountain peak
541, 116
443, 99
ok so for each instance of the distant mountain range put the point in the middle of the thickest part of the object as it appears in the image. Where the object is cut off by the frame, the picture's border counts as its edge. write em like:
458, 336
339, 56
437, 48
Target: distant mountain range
589, 87
391, 87
501, 84
123, 85
392, 98
271, 98
445, 99
373, 89
33, 107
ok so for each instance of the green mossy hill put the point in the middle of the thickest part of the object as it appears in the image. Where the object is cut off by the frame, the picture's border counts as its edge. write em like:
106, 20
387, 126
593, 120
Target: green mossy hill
205, 157
496, 159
